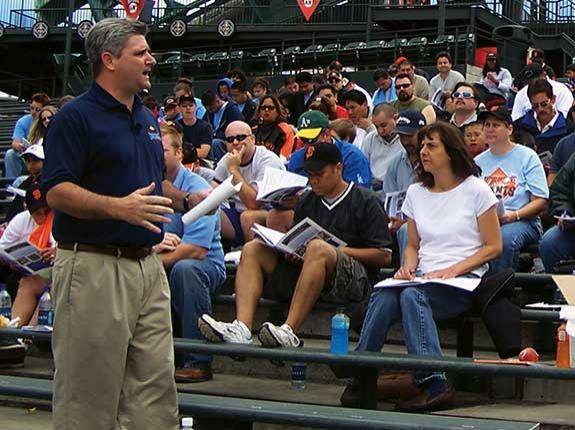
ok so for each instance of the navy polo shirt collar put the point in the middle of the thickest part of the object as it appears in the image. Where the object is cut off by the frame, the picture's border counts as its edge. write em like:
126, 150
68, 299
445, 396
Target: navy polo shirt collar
107, 100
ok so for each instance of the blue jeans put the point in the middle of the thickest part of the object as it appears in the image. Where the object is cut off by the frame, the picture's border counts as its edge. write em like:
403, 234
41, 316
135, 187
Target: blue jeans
192, 282
516, 235
416, 308
556, 245
13, 164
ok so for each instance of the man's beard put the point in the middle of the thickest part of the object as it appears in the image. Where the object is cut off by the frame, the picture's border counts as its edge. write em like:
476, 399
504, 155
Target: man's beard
403, 96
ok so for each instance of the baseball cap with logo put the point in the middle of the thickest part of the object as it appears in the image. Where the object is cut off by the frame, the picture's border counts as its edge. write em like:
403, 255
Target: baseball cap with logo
36, 151
320, 155
186, 98
35, 198
409, 122
311, 123
170, 101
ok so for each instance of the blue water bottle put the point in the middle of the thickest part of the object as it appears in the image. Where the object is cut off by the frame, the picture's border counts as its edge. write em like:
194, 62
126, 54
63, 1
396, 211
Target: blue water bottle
5, 302
45, 311
340, 332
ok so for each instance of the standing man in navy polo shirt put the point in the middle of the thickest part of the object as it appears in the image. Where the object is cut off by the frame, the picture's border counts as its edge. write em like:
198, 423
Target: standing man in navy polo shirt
112, 341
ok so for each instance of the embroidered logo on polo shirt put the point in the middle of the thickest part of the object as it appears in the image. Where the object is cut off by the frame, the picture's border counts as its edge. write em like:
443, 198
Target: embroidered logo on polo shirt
153, 133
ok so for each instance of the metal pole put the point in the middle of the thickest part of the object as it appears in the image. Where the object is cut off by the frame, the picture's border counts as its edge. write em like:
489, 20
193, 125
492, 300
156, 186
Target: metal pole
441, 17
68, 50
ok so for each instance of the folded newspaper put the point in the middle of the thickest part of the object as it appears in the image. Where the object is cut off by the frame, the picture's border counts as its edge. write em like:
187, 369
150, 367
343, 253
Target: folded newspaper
468, 284
278, 184
295, 241
24, 257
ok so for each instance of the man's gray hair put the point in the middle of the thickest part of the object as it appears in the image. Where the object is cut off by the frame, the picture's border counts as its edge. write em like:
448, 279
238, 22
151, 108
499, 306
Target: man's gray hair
110, 35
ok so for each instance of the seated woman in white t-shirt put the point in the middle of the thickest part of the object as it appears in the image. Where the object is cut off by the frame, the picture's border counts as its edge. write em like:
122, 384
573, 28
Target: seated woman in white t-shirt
452, 231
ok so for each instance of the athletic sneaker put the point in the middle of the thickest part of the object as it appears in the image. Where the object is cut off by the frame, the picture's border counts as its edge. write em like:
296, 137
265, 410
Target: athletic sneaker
216, 331
273, 336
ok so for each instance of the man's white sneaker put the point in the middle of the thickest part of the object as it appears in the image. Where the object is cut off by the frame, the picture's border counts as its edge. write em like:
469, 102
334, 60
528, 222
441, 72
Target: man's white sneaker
273, 336
216, 331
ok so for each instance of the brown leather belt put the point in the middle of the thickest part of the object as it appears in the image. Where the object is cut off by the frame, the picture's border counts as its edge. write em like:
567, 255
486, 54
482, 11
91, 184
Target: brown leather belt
115, 251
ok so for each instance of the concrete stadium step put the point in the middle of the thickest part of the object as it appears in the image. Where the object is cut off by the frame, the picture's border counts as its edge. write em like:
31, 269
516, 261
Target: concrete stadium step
20, 414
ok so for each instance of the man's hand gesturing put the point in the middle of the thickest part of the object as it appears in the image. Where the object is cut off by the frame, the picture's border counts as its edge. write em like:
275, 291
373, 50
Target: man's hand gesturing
141, 208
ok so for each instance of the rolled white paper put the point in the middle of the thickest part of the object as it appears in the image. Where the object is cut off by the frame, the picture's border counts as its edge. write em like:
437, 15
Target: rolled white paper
219, 194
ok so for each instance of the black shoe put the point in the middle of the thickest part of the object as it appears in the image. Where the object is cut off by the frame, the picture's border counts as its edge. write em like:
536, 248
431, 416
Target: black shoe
12, 353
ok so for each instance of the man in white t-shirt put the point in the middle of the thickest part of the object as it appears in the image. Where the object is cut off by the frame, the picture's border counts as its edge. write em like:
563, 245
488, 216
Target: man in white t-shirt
246, 162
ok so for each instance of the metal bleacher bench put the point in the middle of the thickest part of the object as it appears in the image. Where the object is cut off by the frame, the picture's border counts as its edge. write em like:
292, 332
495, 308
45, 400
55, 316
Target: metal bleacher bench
365, 365
249, 410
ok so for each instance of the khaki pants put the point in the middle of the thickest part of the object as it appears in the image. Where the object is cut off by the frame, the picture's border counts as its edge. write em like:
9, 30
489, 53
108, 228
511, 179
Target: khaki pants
112, 343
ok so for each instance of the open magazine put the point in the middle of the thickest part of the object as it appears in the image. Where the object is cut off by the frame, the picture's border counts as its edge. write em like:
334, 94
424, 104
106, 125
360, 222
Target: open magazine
295, 241
24, 257
467, 284
393, 203
278, 184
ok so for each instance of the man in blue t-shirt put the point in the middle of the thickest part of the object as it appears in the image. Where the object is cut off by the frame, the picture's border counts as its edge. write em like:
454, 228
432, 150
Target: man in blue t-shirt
194, 257
12, 162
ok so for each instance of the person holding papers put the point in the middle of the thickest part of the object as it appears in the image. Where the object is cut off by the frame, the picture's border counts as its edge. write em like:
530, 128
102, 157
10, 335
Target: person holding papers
341, 275
558, 243
245, 162
193, 257
453, 232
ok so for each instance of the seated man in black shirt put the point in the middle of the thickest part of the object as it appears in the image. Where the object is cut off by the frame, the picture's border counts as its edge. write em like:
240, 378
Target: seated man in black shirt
196, 131
343, 275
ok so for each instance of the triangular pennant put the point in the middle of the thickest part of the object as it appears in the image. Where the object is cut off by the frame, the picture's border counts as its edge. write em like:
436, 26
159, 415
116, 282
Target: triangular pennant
308, 7
133, 8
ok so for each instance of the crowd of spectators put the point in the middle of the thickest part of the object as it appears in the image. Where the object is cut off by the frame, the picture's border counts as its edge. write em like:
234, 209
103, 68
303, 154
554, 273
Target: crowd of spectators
486, 169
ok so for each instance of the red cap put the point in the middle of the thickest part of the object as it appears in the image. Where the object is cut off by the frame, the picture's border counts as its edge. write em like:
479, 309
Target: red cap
400, 60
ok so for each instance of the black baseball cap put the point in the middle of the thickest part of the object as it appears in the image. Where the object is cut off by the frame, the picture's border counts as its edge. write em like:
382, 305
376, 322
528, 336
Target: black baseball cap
501, 113
35, 198
320, 155
409, 122
186, 98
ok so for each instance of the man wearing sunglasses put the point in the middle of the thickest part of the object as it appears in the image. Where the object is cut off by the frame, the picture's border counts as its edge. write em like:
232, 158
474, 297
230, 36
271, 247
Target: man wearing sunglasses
406, 99
12, 163
531, 73
246, 162
543, 126
465, 99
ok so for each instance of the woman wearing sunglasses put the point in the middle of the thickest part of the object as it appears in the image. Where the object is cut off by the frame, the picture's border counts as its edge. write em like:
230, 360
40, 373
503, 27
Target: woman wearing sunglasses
272, 130
495, 82
38, 130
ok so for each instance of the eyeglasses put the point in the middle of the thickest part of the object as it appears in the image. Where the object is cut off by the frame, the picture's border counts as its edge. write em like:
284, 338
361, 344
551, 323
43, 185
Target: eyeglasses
402, 86
47, 118
268, 107
238, 137
463, 95
541, 105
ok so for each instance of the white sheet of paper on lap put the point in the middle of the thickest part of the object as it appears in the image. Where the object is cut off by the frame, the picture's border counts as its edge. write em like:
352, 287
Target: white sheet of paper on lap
218, 195
467, 284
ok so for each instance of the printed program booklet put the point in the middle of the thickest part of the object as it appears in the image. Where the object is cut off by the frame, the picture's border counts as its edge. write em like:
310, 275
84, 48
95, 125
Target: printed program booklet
467, 284
25, 257
278, 184
393, 203
295, 241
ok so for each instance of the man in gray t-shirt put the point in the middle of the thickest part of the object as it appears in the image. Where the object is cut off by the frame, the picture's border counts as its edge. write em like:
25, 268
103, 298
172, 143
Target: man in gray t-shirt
447, 78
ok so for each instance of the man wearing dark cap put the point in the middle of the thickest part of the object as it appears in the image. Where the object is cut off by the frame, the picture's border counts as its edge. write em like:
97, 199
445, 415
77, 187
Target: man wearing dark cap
531, 73
516, 176
197, 132
343, 275
171, 111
